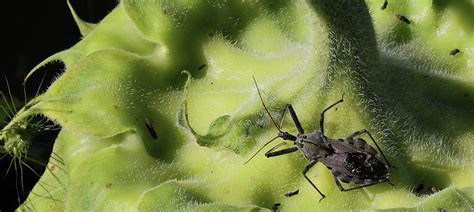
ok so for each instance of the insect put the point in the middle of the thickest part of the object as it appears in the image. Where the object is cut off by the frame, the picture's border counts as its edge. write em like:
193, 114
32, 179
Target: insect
403, 19
350, 160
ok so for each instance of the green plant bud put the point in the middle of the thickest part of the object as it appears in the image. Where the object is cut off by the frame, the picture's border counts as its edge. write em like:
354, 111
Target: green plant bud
124, 79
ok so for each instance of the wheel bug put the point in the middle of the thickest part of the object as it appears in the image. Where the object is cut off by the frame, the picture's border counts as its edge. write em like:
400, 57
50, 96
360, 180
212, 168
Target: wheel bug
350, 160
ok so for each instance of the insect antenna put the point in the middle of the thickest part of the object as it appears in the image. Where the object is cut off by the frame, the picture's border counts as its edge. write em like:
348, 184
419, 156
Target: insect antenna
271, 117
264, 106
260, 149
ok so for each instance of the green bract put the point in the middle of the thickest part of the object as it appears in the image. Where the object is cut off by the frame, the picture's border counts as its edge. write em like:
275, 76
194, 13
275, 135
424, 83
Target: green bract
399, 80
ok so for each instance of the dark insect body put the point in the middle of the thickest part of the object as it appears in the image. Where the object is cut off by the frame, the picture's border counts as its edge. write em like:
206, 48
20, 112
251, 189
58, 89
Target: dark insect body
293, 193
350, 160
151, 129
403, 19
454, 51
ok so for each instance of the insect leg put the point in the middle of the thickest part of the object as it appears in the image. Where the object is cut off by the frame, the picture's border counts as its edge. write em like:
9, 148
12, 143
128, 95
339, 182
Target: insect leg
308, 167
295, 119
321, 120
350, 189
338, 183
360, 132
272, 153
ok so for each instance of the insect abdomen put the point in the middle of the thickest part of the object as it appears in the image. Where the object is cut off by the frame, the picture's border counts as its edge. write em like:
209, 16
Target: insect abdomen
365, 166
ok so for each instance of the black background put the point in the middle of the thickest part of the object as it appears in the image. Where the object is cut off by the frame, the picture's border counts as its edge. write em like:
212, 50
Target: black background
30, 32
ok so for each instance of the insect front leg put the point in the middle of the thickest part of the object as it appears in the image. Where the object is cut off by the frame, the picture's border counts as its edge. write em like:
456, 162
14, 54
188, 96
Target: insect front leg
321, 120
293, 117
360, 132
272, 153
308, 167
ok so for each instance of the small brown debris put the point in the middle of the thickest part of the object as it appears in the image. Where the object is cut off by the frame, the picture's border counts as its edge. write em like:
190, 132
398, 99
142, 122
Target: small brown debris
108, 185
150, 128
292, 193
52, 167
454, 51
275, 207
419, 188
403, 18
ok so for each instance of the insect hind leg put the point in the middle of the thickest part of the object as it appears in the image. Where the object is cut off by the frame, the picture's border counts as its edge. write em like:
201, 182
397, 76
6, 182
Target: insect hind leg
306, 169
360, 132
339, 185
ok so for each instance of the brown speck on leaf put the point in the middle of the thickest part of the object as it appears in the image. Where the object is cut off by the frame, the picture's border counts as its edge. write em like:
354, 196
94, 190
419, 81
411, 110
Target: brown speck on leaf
441, 210
108, 185
52, 167
434, 189
454, 51
403, 18
292, 193
201, 66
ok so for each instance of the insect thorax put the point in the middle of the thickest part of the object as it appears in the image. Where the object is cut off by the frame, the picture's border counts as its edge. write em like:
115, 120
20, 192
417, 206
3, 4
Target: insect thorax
313, 145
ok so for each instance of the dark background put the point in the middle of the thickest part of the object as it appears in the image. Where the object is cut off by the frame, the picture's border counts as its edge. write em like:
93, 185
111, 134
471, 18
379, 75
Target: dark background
32, 31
